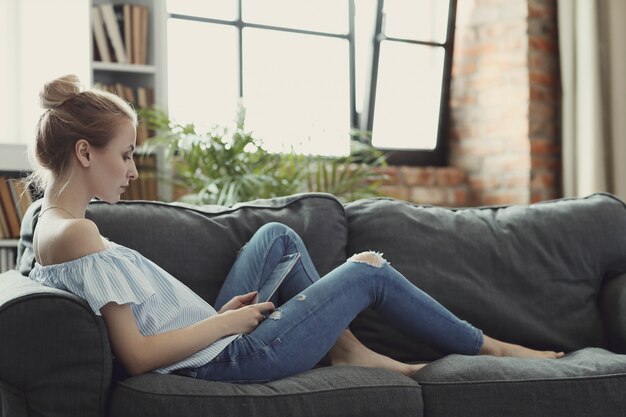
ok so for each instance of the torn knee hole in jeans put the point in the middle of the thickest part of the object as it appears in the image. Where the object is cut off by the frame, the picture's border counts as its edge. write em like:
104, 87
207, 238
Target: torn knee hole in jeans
370, 257
276, 315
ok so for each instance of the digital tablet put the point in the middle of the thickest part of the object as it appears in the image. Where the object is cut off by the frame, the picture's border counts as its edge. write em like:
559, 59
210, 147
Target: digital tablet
278, 275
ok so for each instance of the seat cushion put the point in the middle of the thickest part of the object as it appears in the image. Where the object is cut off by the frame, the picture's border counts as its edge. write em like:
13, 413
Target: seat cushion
528, 274
588, 382
341, 391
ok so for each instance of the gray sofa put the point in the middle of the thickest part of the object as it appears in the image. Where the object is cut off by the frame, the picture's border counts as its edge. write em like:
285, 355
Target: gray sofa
548, 275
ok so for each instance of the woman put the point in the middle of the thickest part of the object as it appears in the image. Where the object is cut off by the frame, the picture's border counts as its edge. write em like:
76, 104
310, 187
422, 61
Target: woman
85, 145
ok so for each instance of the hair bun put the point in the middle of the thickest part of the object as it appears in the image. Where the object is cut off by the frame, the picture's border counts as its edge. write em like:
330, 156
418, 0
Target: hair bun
58, 91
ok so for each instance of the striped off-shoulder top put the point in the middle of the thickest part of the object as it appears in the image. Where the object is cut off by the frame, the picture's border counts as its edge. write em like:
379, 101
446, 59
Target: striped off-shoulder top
122, 275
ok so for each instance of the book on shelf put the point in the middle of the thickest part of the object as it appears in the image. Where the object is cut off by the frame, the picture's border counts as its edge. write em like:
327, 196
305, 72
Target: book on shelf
114, 32
139, 97
145, 99
14, 201
4, 226
9, 213
142, 35
102, 47
120, 33
127, 20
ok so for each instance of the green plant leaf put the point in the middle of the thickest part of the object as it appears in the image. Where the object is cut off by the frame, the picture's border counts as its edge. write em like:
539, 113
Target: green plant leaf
227, 165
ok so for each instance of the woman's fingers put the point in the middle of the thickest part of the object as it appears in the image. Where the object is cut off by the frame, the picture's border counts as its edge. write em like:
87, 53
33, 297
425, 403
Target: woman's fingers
266, 306
247, 298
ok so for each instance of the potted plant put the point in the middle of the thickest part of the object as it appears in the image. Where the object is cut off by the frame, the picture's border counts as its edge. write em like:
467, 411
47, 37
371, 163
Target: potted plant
227, 165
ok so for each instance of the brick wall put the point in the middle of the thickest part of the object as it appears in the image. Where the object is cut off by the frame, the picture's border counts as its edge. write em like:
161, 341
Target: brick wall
427, 185
505, 104
545, 101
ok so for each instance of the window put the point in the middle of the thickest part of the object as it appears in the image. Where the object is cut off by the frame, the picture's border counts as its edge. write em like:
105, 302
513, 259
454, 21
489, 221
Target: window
308, 73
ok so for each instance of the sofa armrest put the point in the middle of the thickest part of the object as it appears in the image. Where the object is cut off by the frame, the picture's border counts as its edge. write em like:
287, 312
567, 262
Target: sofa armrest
55, 357
613, 308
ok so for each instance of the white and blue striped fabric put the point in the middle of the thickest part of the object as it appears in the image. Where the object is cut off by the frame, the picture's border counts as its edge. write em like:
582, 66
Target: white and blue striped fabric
122, 275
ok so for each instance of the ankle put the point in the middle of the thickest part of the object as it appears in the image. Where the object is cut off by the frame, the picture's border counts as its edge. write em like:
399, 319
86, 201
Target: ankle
490, 347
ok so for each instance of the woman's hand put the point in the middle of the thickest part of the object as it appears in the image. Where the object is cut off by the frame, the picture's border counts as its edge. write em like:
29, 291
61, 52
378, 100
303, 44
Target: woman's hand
245, 319
239, 301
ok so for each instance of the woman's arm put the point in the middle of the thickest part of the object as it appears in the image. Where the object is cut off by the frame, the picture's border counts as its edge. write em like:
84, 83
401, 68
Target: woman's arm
140, 354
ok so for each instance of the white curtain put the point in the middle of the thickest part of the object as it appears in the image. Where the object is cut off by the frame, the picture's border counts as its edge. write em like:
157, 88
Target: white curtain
593, 72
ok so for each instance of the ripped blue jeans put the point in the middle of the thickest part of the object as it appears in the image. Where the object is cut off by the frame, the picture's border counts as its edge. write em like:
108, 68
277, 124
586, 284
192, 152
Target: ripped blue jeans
312, 313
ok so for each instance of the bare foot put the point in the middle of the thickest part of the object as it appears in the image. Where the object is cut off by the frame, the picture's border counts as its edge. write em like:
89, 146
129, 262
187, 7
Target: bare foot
350, 351
496, 347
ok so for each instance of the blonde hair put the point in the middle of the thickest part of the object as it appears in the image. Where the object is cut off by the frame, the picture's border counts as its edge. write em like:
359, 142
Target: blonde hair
72, 113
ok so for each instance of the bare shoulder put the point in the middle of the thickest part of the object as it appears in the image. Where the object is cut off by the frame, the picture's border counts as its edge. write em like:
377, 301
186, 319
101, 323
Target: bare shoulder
81, 237
69, 240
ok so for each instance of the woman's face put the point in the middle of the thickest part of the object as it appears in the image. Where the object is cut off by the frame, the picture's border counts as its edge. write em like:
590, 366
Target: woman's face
113, 165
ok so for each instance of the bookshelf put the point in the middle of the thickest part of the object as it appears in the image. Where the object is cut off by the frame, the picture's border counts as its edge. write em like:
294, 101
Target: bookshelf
13, 164
146, 70
151, 71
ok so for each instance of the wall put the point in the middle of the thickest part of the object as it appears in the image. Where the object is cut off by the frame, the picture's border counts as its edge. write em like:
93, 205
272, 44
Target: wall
446, 186
505, 110
545, 101
34, 49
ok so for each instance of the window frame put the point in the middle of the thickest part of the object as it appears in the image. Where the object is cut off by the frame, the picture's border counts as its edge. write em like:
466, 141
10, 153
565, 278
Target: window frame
418, 157
363, 121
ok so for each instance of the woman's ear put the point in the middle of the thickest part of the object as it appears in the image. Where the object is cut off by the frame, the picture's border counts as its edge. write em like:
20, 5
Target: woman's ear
82, 149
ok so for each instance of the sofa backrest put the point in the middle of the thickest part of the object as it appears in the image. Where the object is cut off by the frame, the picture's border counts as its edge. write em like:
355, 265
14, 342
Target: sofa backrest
199, 244
525, 274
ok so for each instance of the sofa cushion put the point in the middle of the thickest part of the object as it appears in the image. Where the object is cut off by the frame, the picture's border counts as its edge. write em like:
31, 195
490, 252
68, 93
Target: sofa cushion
199, 244
589, 382
526, 274
341, 391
